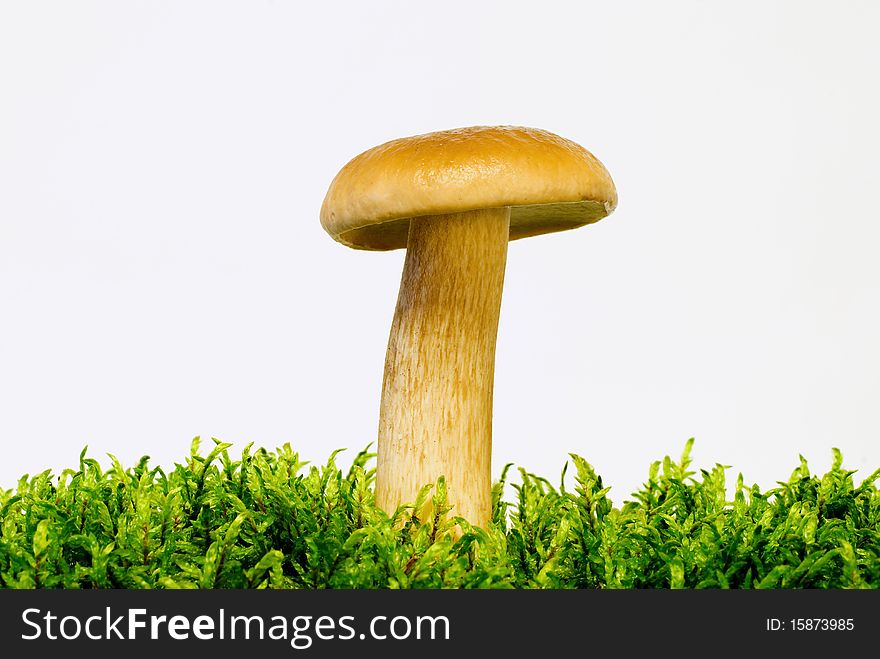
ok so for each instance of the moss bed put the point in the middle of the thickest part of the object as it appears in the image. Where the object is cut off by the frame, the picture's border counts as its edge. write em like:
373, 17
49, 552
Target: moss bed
266, 519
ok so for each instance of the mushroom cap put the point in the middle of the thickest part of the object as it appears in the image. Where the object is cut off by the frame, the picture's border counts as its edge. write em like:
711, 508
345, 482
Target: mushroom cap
550, 184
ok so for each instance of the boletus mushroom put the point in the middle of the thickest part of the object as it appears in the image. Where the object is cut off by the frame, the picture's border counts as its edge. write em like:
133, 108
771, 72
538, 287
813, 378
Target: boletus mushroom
454, 199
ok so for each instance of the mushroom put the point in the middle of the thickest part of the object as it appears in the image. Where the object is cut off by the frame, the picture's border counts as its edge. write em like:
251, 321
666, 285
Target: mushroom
454, 199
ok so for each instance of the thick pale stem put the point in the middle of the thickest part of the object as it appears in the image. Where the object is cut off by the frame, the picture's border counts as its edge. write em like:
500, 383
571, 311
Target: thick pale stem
436, 411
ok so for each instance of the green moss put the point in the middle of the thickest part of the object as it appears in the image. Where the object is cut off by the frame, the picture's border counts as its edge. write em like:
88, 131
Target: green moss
269, 520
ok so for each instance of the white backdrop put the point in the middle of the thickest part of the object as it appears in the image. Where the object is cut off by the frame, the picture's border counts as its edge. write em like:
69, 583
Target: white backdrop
163, 273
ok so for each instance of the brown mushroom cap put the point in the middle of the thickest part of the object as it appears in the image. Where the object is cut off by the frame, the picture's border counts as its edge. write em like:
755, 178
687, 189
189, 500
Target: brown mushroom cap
549, 183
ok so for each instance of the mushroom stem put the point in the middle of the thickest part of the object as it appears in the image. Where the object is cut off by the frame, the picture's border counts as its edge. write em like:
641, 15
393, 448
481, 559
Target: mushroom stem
436, 411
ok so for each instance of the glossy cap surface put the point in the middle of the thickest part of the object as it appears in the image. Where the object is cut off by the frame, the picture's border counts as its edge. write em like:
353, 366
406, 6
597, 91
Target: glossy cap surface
550, 184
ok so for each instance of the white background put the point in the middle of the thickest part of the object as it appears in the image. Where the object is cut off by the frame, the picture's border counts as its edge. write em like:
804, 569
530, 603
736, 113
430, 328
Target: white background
163, 273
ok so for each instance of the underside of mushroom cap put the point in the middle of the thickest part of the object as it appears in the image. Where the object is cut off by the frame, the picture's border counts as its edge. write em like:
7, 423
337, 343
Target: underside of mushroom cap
549, 183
